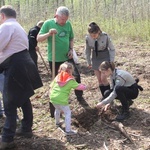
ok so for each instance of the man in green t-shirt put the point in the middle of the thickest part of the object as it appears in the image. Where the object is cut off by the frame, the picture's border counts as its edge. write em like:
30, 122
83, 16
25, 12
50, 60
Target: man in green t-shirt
61, 27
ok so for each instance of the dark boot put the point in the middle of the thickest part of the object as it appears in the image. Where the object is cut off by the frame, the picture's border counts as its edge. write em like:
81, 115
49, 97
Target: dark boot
52, 109
130, 102
104, 88
79, 95
20, 132
124, 115
7, 145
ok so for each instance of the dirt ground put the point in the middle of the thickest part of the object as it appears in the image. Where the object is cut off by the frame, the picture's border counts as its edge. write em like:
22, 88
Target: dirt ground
96, 130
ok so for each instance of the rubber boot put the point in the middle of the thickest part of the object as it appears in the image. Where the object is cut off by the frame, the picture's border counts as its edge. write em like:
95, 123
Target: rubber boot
130, 102
79, 95
124, 115
104, 88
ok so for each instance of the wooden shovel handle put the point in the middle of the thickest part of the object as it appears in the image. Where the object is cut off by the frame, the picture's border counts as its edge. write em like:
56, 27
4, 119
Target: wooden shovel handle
53, 56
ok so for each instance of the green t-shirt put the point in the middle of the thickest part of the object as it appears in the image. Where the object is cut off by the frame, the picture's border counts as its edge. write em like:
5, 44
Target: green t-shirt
62, 39
60, 95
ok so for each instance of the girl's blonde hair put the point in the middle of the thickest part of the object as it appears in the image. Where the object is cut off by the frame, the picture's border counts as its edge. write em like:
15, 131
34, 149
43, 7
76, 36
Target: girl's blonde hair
67, 67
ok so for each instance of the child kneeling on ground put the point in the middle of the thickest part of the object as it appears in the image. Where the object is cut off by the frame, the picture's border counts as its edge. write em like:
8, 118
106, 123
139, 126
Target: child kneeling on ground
60, 89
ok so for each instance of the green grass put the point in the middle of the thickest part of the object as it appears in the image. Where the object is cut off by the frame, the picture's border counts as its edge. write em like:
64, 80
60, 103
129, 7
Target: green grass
122, 24
119, 30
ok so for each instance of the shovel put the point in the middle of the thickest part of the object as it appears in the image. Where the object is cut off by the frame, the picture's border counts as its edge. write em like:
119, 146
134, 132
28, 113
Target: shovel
53, 56
52, 108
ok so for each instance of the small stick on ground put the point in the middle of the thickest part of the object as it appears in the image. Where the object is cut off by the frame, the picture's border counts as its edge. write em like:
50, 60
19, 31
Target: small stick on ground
120, 126
105, 147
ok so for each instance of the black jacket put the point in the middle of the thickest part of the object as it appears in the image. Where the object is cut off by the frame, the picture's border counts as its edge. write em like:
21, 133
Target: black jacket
21, 79
33, 32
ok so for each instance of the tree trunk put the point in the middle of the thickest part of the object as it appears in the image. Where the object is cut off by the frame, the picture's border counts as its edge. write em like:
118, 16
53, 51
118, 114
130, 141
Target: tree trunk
2, 2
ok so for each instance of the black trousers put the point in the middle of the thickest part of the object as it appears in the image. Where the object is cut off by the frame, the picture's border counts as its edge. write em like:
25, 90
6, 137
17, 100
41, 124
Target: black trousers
21, 78
124, 94
34, 56
76, 74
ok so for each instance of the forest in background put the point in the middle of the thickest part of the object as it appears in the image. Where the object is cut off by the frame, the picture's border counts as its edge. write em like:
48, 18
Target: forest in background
122, 19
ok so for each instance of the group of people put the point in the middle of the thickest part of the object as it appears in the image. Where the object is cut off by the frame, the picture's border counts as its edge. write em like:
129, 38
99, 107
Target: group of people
21, 76
122, 85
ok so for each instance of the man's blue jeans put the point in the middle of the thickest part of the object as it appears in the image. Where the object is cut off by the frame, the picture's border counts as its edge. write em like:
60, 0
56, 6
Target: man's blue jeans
1, 90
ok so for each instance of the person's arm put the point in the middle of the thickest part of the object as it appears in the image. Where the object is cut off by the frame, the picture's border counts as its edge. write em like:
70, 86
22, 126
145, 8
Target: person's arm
75, 85
5, 37
42, 37
32, 38
111, 50
88, 53
71, 40
70, 53
81, 87
71, 44
118, 82
110, 98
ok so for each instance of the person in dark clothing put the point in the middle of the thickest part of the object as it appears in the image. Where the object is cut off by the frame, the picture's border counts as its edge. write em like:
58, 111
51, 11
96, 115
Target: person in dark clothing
124, 88
21, 77
33, 32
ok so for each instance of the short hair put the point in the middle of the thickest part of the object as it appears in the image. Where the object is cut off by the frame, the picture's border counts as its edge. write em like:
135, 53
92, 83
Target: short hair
62, 10
105, 65
9, 11
93, 28
40, 23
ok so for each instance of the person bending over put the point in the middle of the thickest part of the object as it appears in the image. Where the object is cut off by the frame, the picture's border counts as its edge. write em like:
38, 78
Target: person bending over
124, 88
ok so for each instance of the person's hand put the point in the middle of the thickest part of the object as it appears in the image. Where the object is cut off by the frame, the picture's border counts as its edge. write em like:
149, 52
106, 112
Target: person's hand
37, 48
106, 107
70, 54
52, 31
99, 105
89, 66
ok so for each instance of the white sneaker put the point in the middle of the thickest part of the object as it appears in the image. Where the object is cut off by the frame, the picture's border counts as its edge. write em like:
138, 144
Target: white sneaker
71, 132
